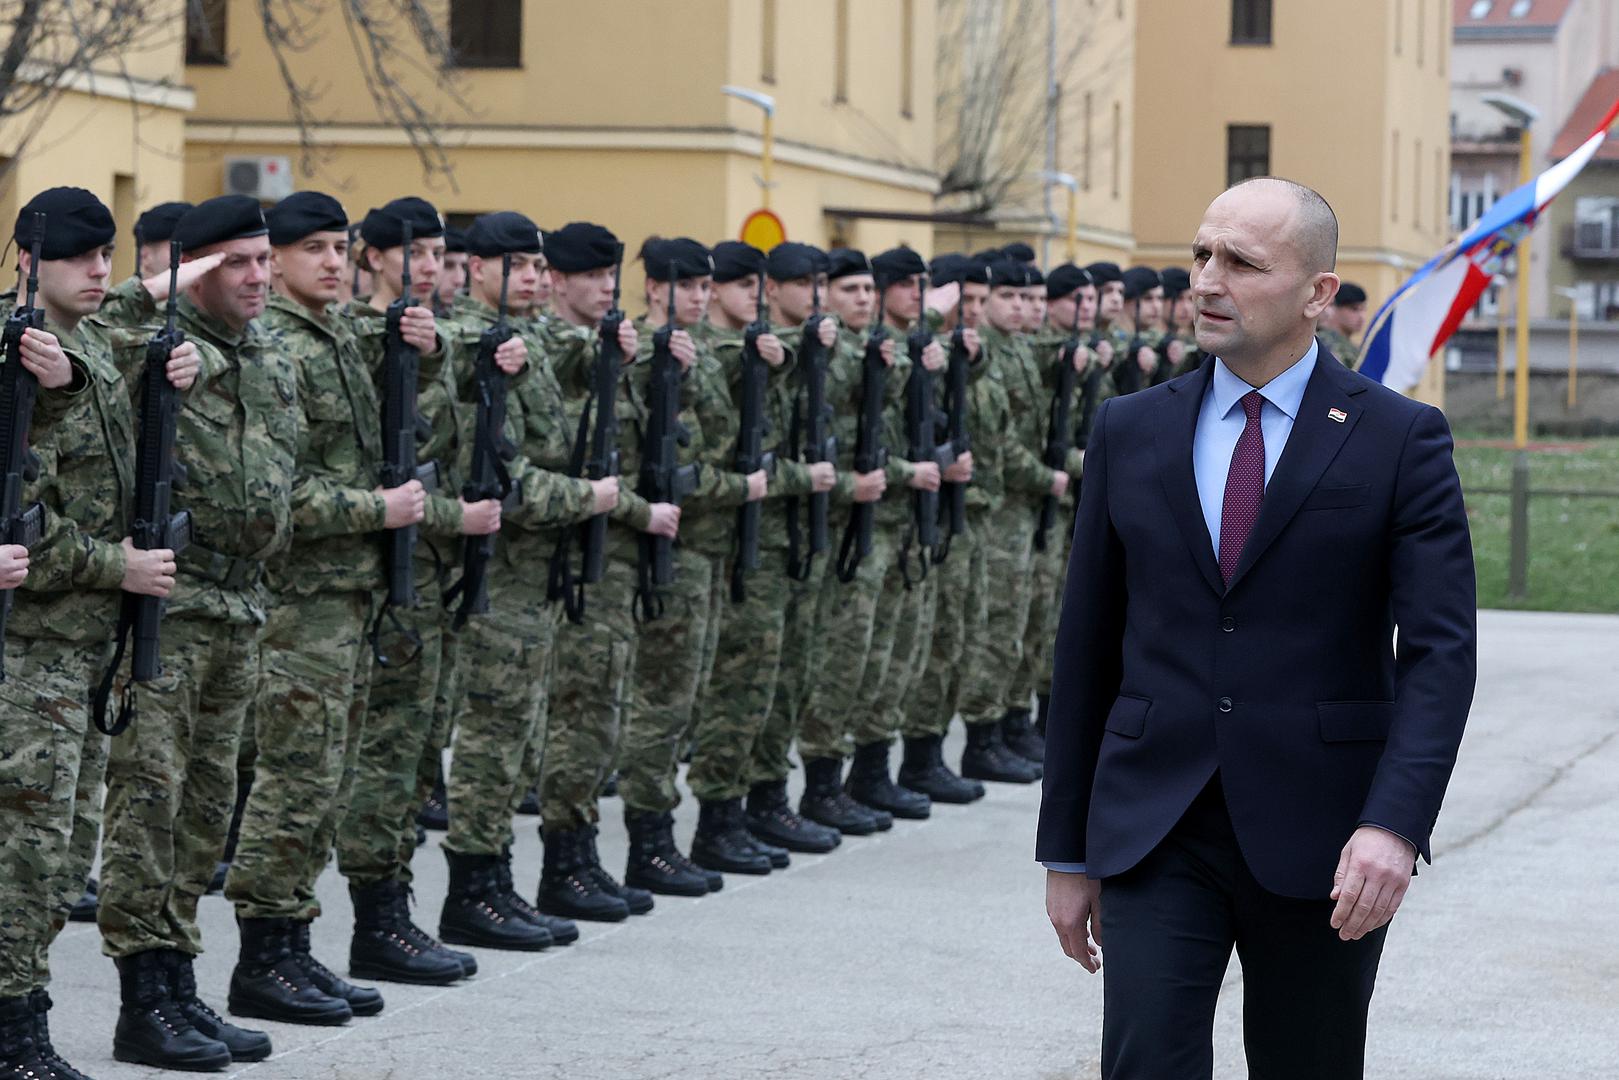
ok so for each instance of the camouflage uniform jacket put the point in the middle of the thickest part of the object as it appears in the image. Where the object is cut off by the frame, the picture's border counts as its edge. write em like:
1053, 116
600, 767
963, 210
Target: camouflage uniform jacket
1049, 346
1025, 476
1335, 342
894, 509
706, 525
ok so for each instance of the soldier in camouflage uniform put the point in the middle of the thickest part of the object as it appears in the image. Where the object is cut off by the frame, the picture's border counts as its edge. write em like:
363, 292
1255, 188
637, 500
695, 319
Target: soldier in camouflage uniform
1340, 325
171, 778
508, 654
57, 643
376, 838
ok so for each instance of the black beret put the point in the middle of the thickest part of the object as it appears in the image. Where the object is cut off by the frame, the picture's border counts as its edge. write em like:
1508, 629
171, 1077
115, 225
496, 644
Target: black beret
220, 219
580, 246
1064, 280
1033, 276
789, 261
455, 240
846, 262
1138, 280
677, 259
1102, 273
1004, 271
303, 213
75, 222
896, 264
1349, 294
156, 226
383, 228
501, 233
734, 260
989, 255
1018, 251
947, 269
1176, 280
975, 270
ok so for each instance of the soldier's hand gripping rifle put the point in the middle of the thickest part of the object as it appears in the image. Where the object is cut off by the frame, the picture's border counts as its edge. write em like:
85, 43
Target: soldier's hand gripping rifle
488, 477
922, 435
18, 465
1060, 430
663, 478
953, 493
750, 451
869, 452
817, 443
154, 525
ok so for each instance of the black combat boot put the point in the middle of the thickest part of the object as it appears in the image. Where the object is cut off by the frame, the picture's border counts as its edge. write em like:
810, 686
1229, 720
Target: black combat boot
1020, 737
85, 907
780, 858
270, 983
48, 1064
826, 802
475, 912
152, 1028
722, 842
244, 1044
244, 788
363, 1000
388, 946
639, 901
562, 931
987, 758
655, 864
1043, 703
771, 819
869, 785
569, 888
530, 804
435, 811
924, 770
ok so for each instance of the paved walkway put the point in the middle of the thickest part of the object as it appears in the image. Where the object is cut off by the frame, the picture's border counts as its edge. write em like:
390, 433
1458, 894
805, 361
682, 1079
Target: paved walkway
925, 952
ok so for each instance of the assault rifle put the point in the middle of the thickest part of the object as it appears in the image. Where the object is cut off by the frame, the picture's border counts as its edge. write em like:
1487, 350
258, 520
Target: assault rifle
750, 452
18, 465
921, 433
817, 444
954, 493
401, 431
663, 478
488, 478
1060, 431
869, 452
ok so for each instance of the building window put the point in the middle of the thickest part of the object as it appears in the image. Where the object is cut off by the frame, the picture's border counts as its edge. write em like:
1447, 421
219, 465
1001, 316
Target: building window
1247, 152
1394, 176
1480, 9
767, 42
840, 51
1085, 179
1118, 144
486, 33
205, 31
1250, 22
907, 50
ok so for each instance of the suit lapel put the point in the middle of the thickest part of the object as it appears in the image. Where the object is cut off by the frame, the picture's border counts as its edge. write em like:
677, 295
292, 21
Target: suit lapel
1315, 440
1177, 427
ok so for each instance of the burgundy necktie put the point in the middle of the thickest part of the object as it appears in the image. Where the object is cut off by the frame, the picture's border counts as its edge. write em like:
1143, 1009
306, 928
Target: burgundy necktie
1244, 487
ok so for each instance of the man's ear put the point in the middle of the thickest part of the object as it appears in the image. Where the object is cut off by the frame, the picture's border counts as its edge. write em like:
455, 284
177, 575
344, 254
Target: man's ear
1324, 288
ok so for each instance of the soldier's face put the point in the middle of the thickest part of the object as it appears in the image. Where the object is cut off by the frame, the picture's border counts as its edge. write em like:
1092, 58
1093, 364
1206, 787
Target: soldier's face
1034, 307
1085, 298
153, 258
1152, 305
1351, 318
453, 278
792, 300
853, 299
1110, 301
311, 271
903, 299
426, 263
236, 290
582, 298
691, 300
1060, 312
1004, 311
736, 303
974, 295
70, 289
1185, 308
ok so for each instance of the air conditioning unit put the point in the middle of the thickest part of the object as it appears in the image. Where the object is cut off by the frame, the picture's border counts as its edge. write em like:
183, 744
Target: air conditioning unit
267, 179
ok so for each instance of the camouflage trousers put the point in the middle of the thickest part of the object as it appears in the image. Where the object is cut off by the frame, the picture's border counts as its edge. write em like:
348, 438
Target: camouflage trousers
741, 687
1046, 571
961, 613
991, 659
595, 668
668, 669
171, 786
52, 760
507, 658
903, 632
800, 663
854, 660
406, 726
308, 719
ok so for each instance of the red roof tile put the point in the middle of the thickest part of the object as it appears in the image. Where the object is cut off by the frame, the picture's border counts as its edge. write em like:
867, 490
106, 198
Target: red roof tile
1541, 14
1594, 105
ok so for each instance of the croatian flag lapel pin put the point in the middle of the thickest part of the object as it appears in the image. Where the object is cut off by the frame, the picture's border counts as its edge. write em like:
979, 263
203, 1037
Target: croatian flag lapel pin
1337, 416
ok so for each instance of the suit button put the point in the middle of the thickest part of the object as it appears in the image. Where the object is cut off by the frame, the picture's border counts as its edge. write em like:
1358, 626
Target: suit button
1228, 624
1225, 704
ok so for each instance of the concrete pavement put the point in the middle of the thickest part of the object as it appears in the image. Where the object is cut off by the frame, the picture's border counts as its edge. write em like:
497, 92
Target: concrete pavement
925, 952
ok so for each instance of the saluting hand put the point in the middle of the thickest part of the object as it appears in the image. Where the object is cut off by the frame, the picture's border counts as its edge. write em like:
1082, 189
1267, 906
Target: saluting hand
683, 349
190, 270
511, 355
13, 565
480, 518
771, 350
147, 573
419, 330
184, 363
42, 354
1374, 871
403, 505
827, 332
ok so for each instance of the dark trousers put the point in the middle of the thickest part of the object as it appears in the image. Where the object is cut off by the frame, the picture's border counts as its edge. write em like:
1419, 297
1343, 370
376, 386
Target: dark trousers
1168, 927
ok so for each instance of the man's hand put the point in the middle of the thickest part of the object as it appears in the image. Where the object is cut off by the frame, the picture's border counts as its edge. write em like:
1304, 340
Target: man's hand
886, 351
417, 328
42, 354
147, 573
192, 269
771, 350
827, 332
480, 518
1074, 906
403, 505
683, 349
1059, 483
1082, 357
628, 340
184, 363
961, 470
758, 485
1104, 352
13, 565
1373, 874
665, 520
926, 476
933, 357
1176, 351
511, 355
823, 476
969, 339
603, 495
1147, 360
869, 486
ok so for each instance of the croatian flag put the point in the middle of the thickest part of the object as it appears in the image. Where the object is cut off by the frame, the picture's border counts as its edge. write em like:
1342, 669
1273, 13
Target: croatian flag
1419, 318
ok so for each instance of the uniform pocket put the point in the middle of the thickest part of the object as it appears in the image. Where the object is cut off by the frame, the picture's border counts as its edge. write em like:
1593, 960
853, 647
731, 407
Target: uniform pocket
1128, 717
38, 755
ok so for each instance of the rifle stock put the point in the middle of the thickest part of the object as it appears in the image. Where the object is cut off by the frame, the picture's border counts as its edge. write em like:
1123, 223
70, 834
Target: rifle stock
750, 455
869, 452
663, 479
18, 390
400, 427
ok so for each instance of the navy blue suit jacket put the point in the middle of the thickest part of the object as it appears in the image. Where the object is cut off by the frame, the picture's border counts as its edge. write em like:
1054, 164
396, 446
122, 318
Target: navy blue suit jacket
1287, 681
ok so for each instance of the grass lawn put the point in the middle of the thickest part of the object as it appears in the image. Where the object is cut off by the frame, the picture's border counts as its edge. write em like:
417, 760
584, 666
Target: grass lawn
1573, 542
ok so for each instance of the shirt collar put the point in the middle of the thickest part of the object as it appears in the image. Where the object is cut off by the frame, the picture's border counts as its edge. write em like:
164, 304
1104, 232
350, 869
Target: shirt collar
1286, 391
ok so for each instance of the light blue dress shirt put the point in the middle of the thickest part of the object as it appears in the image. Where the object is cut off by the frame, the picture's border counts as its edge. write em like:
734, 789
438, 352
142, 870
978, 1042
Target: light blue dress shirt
1219, 426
